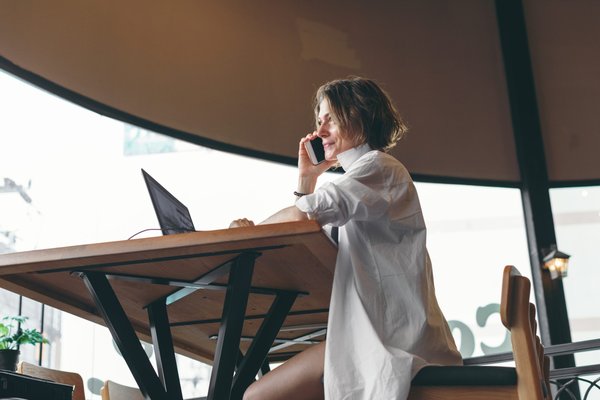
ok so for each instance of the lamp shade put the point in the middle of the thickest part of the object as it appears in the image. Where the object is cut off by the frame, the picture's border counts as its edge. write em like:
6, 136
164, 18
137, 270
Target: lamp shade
557, 263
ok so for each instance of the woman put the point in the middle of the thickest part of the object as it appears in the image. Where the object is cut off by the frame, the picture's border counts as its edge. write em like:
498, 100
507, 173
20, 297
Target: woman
384, 320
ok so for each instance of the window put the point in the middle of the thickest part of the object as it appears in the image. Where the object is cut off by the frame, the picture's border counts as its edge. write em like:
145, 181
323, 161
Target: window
75, 178
577, 223
473, 232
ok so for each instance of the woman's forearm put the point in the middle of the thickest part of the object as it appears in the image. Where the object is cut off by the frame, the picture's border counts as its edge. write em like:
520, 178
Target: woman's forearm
287, 214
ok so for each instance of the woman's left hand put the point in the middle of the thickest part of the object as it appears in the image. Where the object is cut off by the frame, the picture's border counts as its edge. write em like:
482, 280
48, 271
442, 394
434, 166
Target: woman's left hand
239, 223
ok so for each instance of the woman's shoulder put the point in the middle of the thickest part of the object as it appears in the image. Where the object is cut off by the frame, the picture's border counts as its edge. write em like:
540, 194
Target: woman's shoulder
383, 160
381, 163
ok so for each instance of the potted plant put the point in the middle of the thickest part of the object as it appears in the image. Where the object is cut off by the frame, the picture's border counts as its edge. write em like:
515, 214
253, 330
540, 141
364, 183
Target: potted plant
12, 335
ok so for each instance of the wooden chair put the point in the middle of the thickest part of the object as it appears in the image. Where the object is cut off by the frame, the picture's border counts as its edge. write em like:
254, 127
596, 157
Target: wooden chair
528, 380
115, 391
68, 378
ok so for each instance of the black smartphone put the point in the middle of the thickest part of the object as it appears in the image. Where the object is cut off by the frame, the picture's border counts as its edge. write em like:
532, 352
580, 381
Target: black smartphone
315, 150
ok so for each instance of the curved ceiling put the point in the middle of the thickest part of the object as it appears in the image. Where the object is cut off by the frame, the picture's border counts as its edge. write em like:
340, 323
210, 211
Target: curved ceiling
242, 74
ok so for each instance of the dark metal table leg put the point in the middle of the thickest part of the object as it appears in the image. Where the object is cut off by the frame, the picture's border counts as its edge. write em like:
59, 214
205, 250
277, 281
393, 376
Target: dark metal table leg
257, 353
265, 368
163, 349
228, 342
124, 335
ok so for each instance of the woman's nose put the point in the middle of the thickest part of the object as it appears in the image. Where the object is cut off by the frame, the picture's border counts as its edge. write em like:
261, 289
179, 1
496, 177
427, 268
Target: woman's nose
322, 131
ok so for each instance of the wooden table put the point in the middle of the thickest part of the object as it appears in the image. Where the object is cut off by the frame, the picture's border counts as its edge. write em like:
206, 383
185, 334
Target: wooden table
231, 297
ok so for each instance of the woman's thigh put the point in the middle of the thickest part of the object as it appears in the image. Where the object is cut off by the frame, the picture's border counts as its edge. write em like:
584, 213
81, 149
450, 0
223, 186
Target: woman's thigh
297, 378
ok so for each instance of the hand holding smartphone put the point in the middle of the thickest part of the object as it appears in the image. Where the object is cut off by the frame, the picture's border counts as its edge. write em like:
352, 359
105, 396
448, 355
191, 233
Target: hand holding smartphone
315, 150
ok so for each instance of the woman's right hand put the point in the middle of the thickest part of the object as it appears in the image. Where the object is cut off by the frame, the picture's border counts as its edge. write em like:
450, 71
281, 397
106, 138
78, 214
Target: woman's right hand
306, 168
307, 171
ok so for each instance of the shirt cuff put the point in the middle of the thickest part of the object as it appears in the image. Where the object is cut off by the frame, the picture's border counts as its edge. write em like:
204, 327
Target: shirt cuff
304, 205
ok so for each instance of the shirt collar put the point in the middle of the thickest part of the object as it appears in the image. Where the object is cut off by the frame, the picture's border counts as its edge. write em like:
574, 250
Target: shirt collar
347, 158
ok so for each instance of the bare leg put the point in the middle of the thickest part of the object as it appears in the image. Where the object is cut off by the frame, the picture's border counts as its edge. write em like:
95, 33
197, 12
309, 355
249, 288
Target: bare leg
297, 378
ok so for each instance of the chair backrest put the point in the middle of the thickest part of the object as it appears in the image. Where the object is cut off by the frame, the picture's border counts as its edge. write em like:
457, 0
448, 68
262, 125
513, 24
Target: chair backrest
518, 315
115, 391
68, 378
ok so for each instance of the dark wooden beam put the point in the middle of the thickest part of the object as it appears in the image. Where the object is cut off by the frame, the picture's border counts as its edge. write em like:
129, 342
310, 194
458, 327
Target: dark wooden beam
539, 223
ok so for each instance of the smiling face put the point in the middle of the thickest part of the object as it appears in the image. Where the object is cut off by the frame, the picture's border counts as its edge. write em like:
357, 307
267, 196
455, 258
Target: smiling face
362, 113
334, 140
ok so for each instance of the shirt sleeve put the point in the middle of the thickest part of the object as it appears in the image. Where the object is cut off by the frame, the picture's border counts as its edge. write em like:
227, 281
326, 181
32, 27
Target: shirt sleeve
346, 198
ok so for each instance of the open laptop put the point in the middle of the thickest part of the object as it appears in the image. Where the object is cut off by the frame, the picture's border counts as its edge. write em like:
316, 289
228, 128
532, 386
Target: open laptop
173, 216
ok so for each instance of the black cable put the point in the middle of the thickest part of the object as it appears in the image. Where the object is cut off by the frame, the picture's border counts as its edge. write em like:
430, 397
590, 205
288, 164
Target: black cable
178, 229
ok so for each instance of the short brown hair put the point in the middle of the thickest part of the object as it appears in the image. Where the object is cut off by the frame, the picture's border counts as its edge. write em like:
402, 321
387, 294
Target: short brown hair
364, 111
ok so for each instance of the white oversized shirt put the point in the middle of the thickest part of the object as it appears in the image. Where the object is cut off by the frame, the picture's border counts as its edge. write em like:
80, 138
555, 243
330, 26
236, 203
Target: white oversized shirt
384, 320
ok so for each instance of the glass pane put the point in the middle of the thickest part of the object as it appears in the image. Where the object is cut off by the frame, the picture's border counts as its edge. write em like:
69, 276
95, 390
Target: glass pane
577, 223
52, 331
473, 232
9, 303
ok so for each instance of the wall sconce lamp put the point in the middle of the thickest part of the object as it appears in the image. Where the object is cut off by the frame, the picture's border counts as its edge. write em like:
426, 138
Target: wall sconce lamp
556, 262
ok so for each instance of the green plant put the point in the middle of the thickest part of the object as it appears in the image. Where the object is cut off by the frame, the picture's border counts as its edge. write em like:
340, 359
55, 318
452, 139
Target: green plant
13, 335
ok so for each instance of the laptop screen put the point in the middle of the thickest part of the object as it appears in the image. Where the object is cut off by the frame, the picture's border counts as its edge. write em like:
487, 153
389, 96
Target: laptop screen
173, 216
